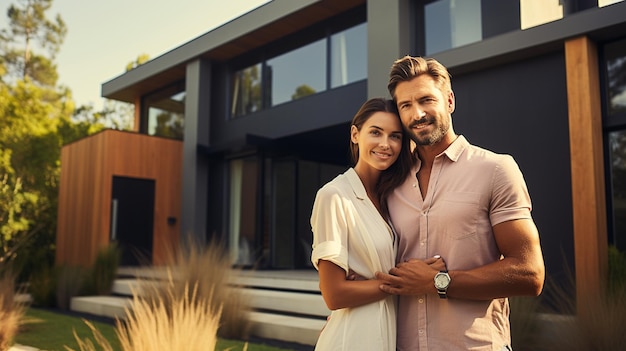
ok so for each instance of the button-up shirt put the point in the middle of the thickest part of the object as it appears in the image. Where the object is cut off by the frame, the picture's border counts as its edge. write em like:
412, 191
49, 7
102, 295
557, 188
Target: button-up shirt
470, 190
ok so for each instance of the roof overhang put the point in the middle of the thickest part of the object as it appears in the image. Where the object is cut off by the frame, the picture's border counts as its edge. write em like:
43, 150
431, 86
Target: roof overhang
268, 23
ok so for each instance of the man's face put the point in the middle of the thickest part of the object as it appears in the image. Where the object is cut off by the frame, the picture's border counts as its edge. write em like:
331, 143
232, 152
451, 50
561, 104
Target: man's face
424, 109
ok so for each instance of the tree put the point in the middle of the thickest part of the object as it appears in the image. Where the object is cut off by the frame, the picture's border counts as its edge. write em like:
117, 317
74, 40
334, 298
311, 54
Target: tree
140, 60
247, 91
32, 111
30, 29
302, 91
30, 117
38, 117
14, 203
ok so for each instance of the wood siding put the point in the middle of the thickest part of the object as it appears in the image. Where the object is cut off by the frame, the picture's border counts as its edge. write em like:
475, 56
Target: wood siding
588, 189
87, 170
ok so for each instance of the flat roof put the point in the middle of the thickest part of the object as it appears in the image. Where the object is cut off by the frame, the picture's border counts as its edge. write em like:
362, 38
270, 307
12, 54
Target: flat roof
263, 25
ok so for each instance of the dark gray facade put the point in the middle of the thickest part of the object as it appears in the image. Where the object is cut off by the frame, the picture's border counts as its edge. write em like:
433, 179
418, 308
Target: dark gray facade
511, 91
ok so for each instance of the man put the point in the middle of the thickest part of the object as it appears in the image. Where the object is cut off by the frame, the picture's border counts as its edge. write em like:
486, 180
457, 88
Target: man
467, 240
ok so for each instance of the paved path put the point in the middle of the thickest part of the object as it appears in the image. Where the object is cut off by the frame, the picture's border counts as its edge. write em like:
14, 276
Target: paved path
18, 347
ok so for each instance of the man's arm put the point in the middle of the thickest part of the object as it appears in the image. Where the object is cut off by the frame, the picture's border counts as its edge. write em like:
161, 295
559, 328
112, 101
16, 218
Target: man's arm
520, 273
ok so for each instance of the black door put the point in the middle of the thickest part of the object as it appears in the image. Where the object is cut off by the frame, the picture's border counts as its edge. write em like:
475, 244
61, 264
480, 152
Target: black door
132, 216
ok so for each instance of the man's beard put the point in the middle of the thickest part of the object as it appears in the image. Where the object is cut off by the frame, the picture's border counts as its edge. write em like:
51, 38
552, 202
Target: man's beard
428, 139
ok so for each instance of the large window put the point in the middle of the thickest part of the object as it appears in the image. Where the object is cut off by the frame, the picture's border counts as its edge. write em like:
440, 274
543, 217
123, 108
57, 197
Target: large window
602, 3
297, 73
615, 126
269, 206
450, 24
164, 112
247, 90
327, 63
243, 210
348, 49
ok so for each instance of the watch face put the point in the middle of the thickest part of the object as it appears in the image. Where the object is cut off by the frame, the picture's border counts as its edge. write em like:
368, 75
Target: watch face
441, 281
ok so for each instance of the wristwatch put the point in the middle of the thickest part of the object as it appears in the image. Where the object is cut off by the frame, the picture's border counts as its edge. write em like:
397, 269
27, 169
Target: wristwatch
442, 281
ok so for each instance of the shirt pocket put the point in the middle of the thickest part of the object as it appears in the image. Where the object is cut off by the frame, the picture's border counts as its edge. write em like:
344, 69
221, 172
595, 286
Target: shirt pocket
461, 212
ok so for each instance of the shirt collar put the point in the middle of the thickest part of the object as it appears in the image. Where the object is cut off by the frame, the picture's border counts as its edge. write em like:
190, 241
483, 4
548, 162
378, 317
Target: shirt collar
356, 184
453, 152
457, 147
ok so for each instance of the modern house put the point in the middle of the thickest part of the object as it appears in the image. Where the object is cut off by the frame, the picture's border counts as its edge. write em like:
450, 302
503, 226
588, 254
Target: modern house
236, 130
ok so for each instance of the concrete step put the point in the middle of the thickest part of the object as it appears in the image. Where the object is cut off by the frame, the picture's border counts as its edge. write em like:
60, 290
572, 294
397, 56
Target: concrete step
286, 302
287, 328
287, 305
106, 306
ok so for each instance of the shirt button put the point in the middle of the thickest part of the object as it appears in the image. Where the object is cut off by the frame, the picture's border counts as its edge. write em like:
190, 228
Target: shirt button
421, 244
421, 300
421, 331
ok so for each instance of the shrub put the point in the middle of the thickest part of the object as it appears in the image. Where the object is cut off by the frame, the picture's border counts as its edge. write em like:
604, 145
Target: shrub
599, 325
185, 311
177, 322
11, 310
208, 268
617, 270
42, 286
70, 280
524, 319
103, 271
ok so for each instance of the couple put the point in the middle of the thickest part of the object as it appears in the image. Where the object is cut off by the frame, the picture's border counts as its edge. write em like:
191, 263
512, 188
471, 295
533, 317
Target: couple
446, 227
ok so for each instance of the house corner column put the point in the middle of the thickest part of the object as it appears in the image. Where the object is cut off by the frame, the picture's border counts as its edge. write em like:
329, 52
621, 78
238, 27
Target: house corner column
587, 167
388, 39
195, 178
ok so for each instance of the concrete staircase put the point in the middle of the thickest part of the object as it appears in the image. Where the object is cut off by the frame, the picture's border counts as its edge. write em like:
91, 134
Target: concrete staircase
287, 305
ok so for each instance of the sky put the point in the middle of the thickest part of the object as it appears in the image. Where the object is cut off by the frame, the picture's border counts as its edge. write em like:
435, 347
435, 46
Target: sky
103, 36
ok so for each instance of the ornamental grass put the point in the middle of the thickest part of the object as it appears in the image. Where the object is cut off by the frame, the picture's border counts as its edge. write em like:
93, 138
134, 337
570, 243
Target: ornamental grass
11, 310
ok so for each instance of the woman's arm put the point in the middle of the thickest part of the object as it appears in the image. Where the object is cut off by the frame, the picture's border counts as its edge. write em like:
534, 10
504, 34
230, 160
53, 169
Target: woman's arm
341, 293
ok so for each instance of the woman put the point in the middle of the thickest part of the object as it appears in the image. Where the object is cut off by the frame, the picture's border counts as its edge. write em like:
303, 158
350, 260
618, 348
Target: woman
351, 233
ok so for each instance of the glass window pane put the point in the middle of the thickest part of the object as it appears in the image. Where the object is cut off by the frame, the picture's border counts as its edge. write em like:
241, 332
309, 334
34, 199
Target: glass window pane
242, 211
349, 56
616, 77
537, 12
602, 3
617, 153
298, 73
246, 97
166, 112
452, 23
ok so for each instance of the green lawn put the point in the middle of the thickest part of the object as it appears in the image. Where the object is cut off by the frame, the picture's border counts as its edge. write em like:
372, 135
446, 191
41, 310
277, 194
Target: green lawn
52, 331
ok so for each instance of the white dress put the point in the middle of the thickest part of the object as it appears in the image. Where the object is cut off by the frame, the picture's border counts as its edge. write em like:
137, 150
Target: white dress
349, 231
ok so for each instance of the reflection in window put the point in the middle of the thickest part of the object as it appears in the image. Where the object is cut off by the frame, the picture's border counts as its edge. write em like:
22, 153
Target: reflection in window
166, 112
298, 73
602, 3
452, 23
537, 12
616, 77
348, 56
617, 153
615, 56
247, 91
301, 72
243, 210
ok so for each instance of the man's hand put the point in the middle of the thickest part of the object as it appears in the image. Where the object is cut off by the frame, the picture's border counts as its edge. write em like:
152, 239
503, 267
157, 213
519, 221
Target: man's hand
352, 275
412, 277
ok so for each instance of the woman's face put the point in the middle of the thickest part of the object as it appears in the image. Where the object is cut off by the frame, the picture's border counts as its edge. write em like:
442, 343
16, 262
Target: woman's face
379, 140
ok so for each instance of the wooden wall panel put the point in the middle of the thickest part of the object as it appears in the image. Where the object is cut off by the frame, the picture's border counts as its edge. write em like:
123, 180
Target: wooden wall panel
87, 170
588, 188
